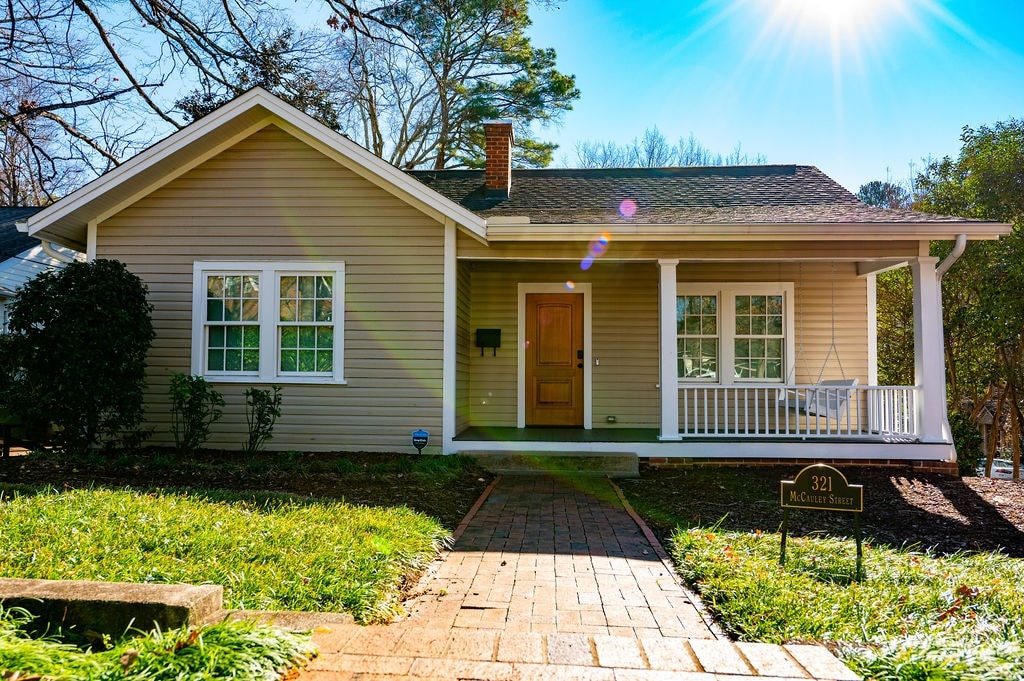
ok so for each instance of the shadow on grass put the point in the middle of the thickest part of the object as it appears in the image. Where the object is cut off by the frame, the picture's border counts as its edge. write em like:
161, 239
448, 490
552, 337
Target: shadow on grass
901, 508
442, 487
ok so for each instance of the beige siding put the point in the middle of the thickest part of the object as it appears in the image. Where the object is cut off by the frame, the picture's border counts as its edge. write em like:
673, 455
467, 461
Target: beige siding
625, 339
625, 329
814, 314
812, 310
273, 198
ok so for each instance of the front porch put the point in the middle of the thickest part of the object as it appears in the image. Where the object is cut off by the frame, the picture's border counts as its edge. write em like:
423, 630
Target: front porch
639, 387
867, 423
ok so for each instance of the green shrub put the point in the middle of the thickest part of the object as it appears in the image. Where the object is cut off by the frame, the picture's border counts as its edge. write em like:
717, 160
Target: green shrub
76, 353
195, 405
967, 440
262, 409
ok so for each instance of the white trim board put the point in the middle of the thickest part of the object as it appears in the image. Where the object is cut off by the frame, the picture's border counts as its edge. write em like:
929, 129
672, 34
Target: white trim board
269, 305
729, 449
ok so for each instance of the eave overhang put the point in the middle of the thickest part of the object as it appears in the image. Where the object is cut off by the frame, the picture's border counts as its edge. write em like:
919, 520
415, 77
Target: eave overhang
901, 231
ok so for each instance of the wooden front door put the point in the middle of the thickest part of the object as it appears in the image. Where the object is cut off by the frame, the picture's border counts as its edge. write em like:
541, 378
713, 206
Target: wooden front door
554, 359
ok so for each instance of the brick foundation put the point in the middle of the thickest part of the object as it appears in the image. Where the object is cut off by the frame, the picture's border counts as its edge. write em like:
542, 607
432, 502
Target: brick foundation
941, 467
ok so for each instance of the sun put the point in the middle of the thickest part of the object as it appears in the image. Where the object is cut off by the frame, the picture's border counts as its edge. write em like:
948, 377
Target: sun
833, 14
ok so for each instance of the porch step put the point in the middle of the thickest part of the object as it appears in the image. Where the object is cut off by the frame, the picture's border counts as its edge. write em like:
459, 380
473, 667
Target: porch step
611, 464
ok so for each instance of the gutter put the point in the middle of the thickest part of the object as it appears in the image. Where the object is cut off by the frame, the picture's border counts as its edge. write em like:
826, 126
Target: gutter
954, 255
48, 247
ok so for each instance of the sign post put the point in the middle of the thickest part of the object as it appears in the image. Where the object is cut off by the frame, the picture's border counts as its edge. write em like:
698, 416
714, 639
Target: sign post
821, 487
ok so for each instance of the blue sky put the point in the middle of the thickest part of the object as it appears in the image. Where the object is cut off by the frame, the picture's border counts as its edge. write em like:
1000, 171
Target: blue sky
859, 88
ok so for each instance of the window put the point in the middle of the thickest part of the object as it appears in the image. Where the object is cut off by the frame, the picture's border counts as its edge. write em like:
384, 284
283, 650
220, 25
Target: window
697, 317
268, 321
742, 326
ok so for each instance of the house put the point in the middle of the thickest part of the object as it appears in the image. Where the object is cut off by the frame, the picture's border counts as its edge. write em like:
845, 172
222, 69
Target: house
679, 312
22, 257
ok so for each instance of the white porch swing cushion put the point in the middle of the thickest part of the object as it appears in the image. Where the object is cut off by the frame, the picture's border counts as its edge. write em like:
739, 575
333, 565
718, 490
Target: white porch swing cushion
829, 398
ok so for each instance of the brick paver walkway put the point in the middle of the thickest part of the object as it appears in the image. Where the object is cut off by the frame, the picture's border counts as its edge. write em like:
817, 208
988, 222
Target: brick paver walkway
547, 581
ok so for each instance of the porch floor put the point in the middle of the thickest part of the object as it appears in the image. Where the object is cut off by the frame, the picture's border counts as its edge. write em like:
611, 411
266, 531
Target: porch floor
641, 435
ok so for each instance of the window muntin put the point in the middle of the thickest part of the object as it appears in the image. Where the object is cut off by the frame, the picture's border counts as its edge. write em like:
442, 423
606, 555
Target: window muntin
232, 323
697, 336
268, 321
306, 331
758, 341
745, 326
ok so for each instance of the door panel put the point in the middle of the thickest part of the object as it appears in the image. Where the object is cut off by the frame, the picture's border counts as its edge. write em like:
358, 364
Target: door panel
554, 359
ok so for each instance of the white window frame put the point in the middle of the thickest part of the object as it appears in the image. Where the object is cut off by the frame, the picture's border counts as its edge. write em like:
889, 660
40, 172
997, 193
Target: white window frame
269, 273
727, 293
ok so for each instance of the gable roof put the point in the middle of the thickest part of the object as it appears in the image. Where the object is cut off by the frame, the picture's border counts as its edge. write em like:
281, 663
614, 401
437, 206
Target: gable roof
66, 221
734, 196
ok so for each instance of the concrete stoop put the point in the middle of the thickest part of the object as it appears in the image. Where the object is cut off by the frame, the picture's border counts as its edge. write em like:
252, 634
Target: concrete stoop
604, 464
112, 607
515, 656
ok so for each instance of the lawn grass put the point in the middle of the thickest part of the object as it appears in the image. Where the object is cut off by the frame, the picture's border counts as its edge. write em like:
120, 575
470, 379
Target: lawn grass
914, 616
270, 552
243, 651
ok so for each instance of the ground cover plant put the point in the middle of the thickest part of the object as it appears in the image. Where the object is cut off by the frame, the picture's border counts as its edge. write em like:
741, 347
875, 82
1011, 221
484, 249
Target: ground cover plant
242, 651
269, 552
914, 616
918, 613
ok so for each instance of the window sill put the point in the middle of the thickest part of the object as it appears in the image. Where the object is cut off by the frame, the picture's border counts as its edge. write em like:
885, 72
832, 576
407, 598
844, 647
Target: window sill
280, 380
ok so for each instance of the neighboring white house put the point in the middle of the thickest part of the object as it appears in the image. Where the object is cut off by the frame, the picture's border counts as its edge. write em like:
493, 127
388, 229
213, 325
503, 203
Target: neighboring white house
22, 257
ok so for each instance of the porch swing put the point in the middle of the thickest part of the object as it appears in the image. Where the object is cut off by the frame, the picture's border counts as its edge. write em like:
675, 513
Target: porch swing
830, 397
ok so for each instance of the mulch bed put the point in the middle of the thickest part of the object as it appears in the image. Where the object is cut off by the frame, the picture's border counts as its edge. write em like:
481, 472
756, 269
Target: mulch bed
901, 507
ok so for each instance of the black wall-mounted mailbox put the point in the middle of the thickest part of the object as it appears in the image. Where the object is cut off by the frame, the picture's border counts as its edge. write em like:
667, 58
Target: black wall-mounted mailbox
488, 338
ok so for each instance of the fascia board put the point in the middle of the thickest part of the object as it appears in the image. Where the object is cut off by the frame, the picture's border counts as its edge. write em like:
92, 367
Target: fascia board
743, 232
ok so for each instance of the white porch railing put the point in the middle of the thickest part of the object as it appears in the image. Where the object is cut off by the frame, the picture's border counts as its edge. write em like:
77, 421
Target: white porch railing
805, 411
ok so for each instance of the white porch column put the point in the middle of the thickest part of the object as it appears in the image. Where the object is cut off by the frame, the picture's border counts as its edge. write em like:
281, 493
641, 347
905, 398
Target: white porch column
449, 341
669, 379
929, 361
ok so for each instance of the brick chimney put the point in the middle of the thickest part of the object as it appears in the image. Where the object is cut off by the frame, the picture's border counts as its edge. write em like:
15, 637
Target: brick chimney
498, 152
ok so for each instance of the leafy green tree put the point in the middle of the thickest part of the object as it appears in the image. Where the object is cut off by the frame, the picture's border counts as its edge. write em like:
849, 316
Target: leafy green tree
423, 74
884, 194
982, 303
75, 356
894, 296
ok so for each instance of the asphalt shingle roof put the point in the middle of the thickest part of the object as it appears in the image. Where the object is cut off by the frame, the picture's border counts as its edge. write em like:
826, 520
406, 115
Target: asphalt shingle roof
13, 242
766, 194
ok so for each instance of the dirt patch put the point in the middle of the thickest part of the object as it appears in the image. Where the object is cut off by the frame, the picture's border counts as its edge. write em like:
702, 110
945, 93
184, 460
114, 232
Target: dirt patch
901, 507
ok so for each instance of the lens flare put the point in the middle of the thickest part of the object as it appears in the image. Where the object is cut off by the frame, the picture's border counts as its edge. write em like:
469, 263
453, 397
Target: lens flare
627, 208
570, 285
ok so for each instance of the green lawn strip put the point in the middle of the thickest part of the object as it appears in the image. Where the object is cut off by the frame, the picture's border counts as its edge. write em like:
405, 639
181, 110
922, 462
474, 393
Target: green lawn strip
227, 650
915, 616
269, 552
